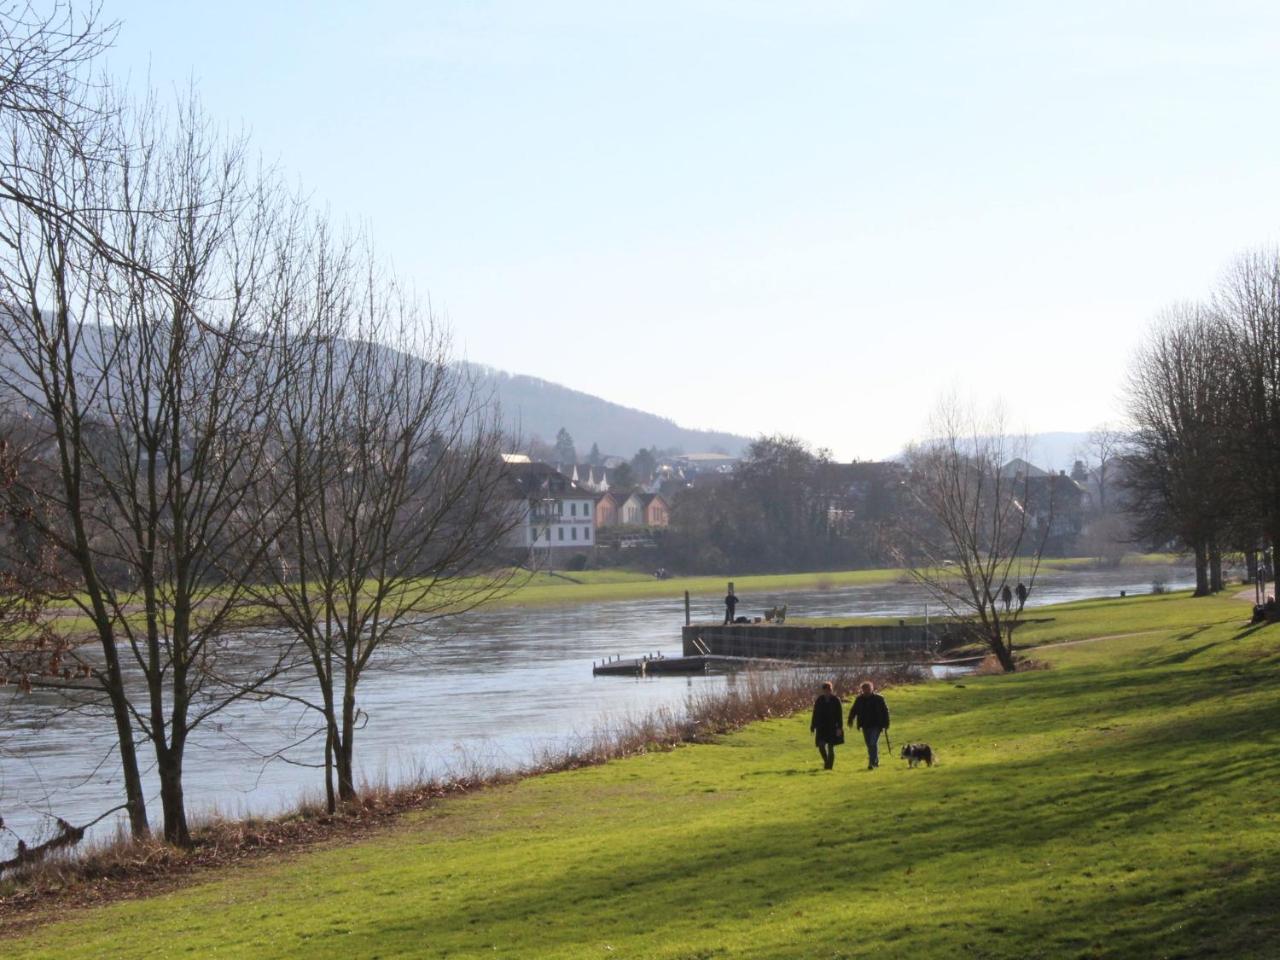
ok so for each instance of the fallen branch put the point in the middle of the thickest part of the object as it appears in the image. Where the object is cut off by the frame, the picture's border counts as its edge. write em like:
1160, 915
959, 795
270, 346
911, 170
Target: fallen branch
68, 836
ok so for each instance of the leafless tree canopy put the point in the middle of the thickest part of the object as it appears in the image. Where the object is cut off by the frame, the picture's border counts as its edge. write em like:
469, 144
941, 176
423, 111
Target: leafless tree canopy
975, 526
210, 407
386, 465
1178, 399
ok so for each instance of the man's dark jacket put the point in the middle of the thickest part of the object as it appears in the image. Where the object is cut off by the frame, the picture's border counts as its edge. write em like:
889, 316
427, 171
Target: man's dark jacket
826, 716
869, 710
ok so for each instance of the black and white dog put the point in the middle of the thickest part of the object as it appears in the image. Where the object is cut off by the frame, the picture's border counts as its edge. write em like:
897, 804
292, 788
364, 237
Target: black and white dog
914, 753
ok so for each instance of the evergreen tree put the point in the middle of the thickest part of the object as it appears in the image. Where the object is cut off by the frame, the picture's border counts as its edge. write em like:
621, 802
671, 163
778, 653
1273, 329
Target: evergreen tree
565, 452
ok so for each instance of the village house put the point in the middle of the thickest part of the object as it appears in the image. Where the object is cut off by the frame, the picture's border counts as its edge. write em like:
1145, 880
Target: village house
554, 513
632, 508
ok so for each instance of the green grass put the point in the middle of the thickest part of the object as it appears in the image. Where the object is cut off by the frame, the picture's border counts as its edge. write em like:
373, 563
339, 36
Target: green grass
602, 585
1121, 804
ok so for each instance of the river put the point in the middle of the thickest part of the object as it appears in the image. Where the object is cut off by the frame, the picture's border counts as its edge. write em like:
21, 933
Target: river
498, 689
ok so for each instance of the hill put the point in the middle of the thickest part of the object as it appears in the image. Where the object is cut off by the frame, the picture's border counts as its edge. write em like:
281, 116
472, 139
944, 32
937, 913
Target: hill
539, 408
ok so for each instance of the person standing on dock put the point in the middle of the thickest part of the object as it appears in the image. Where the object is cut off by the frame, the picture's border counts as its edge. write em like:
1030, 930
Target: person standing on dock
730, 604
870, 714
826, 725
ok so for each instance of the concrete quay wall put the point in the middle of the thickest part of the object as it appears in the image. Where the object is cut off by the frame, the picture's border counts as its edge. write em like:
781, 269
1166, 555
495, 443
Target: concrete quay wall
788, 643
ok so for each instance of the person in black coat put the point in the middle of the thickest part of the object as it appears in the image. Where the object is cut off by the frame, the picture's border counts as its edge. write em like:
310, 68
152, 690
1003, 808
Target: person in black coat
870, 714
827, 725
730, 605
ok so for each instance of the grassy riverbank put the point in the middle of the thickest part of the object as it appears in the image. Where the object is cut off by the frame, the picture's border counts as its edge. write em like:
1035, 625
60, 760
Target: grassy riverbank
526, 589
600, 585
1121, 804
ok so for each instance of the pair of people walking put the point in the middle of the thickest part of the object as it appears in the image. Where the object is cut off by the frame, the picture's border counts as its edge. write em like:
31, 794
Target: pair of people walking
868, 713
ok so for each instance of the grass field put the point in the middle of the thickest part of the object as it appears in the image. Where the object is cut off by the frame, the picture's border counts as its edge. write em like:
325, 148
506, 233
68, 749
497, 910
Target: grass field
1121, 804
600, 585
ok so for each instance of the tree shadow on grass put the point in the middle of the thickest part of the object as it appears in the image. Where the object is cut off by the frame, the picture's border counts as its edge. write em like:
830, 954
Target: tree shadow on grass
1055, 806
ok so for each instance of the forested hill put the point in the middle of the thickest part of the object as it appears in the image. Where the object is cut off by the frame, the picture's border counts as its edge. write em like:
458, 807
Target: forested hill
540, 408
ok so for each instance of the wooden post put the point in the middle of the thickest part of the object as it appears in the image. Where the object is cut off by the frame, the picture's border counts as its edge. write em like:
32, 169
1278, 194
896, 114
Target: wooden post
686, 608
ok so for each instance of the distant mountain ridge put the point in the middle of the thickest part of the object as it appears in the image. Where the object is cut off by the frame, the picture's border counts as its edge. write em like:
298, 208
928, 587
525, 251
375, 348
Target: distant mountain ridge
536, 407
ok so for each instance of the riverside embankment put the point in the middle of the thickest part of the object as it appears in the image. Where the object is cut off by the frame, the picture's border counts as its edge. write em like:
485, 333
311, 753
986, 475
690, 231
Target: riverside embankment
1120, 804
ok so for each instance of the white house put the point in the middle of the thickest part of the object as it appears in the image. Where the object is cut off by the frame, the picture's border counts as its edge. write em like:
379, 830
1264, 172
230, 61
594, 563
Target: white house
555, 514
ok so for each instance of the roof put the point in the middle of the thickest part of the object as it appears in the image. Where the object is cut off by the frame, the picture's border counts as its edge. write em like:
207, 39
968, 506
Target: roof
708, 458
533, 479
1017, 466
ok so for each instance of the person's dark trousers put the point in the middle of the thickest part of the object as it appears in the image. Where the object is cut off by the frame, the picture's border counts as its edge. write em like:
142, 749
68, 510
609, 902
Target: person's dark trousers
828, 751
872, 736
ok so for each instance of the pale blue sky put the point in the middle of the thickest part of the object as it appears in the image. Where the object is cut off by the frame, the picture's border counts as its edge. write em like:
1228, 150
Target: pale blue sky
802, 216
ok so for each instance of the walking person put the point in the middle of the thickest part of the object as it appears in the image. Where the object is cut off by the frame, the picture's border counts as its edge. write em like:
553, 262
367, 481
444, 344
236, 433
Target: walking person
1022, 591
730, 604
870, 714
827, 726
1007, 596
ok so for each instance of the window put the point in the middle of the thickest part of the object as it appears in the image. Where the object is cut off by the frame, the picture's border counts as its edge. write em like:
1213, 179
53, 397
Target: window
574, 531
535, 534
586, 533
573, 509
546, 533
560, 507
561, 537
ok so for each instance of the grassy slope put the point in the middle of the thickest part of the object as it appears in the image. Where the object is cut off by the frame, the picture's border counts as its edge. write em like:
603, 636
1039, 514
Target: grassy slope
1119, 805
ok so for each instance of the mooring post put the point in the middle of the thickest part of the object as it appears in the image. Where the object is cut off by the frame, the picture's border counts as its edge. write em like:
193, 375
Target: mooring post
686, 608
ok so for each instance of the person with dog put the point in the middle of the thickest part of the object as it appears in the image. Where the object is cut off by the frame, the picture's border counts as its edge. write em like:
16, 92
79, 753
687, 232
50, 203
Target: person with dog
870, 714
827, 726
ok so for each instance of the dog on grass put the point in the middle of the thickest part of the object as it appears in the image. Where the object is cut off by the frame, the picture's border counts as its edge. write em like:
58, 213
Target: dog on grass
915, 753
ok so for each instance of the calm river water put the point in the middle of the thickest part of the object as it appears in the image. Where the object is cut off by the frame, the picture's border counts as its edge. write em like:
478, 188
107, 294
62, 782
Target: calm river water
498, 689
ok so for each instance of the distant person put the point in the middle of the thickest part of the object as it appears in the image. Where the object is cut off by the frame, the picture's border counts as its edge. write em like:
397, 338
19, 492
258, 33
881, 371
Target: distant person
870, 714
1007, 596
826, 725
1022, 591
730, 604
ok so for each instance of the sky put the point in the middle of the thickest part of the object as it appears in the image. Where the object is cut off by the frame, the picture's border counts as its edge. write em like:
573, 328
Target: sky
806, 217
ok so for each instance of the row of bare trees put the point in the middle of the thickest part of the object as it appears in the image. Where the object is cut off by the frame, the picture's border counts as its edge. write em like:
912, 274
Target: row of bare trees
1204, 397
214, 407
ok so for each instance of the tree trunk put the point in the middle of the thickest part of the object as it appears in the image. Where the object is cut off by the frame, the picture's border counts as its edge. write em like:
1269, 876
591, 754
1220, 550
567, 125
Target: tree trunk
346, 744
1202, 569
133, 794
1002, 649
330, 741
1215, 568
169, 766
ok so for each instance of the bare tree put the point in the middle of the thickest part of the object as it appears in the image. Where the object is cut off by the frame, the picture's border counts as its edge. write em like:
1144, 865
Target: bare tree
150, 422
974, 525
1103, 449
1247, 301
1179, 472
388, 467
